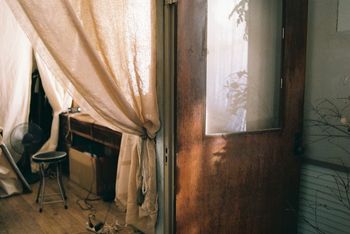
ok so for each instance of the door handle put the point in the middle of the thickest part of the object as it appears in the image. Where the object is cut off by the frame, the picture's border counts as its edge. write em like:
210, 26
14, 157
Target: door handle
298, 144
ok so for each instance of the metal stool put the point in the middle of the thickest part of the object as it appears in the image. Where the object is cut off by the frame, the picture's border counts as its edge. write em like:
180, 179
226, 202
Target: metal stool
52, 157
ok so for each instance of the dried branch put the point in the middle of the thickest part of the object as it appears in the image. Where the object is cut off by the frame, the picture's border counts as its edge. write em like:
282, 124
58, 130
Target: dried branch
330, 120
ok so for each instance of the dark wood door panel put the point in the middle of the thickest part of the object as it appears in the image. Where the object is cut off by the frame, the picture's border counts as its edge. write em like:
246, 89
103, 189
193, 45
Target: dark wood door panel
226, 184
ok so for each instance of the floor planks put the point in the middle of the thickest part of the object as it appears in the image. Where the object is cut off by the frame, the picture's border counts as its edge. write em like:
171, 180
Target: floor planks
20, 213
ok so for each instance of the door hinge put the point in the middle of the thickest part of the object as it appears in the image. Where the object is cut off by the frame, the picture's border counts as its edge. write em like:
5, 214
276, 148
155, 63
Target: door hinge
281, 82
166, 156
283, 33
170, 2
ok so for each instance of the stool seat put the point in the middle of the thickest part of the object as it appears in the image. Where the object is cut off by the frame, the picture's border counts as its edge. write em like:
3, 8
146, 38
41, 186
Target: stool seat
49, 157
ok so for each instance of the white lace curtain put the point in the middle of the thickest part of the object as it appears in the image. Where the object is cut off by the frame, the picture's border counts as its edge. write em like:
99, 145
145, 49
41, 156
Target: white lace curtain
103, 52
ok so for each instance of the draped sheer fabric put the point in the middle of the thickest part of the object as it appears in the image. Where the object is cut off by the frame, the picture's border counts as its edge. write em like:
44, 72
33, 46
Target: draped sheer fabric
15, 83
59, 100
103, 52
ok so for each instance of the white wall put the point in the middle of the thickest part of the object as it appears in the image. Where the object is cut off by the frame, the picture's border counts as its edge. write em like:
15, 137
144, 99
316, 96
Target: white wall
328, 71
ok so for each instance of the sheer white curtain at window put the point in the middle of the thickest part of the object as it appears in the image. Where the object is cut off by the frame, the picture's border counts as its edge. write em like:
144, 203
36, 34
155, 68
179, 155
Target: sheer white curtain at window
106, 50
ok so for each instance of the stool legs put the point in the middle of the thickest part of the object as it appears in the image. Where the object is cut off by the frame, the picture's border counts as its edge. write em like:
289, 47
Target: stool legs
60, 184
42, 186
41, 191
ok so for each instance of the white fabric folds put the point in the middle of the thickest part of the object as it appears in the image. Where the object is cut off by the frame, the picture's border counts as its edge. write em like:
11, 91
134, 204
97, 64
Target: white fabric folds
15, 83
59, 100
129, 160
104, 52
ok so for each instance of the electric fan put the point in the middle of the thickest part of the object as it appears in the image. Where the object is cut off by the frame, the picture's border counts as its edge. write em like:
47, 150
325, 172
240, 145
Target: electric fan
8, 156
26, 139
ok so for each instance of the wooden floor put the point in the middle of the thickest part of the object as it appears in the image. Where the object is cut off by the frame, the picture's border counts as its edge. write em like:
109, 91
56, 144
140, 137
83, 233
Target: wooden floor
20, 214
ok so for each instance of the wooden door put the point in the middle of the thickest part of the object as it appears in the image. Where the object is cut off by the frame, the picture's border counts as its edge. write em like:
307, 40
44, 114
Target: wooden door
238, 183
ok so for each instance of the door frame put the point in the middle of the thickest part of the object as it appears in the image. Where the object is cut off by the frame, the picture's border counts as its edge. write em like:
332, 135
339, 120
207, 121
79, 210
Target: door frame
167, 44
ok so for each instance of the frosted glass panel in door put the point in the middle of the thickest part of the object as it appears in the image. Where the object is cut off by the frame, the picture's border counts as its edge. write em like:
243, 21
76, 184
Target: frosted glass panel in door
244, 39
